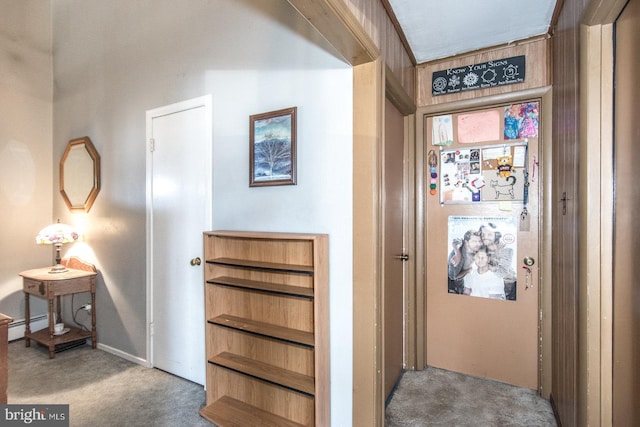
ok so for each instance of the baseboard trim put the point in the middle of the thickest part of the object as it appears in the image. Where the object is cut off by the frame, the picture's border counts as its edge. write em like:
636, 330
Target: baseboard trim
555, 410
395, 387
17, 327
126, 356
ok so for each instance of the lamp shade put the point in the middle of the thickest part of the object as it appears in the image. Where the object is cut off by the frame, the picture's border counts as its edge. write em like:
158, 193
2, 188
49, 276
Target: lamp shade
57, 233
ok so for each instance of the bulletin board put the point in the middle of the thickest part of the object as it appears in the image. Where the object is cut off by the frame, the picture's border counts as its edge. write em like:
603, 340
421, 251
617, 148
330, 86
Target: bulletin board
491, 173
481, 156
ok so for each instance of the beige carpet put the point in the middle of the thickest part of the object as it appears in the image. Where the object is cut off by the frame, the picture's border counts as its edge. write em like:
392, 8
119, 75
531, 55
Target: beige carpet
435, 397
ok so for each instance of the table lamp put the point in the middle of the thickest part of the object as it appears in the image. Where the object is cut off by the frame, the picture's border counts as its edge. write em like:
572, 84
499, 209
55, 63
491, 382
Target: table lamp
57, 234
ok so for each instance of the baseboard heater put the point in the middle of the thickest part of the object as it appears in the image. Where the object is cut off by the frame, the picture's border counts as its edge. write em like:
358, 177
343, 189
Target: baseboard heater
16, 328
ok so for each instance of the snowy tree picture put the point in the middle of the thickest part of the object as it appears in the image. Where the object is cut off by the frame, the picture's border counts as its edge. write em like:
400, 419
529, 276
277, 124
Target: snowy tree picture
273, 148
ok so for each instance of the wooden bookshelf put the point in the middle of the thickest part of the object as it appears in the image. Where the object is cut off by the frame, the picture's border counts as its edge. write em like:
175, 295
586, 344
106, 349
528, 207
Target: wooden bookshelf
264, 329
267, 329
263, 286
230, 412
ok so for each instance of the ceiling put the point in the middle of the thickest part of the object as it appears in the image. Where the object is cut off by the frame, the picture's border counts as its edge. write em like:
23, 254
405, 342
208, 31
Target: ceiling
437, 29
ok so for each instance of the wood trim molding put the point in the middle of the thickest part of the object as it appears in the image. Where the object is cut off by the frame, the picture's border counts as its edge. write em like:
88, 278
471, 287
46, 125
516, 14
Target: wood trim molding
603, 12
554, 407
606, 230
334, 20
545, 350
397, 95
368, 384
414, 332
473, 103
596, 202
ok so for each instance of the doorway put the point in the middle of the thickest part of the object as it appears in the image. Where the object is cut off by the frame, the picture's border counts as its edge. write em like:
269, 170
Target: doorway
179, 197
394, 251
502, 339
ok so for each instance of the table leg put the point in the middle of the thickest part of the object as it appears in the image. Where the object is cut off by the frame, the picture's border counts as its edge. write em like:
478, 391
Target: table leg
94, 335
58, 310
52, 346
27, 321
51, 319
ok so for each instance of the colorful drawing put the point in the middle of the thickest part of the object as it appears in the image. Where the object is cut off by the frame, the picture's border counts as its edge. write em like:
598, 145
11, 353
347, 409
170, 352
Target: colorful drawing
442, 130
521, 120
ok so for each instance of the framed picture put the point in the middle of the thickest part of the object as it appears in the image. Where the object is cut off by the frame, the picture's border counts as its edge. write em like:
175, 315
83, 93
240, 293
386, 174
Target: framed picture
272, 148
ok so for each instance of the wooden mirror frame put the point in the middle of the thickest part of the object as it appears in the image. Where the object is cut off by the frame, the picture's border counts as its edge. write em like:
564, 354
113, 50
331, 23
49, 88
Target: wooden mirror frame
72, 202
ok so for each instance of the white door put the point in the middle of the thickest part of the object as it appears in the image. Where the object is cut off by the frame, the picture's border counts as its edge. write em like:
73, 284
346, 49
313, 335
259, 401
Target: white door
179, 171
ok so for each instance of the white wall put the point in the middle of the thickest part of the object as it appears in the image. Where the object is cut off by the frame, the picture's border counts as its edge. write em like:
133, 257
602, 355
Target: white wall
115, 60
26, 165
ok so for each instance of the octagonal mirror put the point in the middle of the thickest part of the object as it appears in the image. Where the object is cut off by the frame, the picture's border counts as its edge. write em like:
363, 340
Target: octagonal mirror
80, 174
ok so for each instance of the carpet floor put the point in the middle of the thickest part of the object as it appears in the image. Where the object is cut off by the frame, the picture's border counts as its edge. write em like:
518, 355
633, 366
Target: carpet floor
103, 390
436, 397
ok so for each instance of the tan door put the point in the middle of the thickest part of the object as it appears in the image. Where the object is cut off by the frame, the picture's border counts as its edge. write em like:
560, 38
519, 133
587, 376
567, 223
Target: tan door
393, 246
481, 334
626, 288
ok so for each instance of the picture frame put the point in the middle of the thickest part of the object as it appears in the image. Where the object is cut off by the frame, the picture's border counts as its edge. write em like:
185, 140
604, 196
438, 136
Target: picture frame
272, 148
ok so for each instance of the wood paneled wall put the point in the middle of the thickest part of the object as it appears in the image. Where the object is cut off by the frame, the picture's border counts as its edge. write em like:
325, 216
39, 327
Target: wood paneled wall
537, 65
564, 393
583, 235
374, 19
626, 289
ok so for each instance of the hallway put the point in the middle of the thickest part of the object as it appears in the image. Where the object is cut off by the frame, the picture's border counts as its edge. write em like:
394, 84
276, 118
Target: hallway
436, 397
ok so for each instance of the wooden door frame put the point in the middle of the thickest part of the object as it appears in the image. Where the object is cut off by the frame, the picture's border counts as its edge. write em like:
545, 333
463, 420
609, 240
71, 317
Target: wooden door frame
368, 98
595, 296
544, 236
595, 324
372, 82
405, 105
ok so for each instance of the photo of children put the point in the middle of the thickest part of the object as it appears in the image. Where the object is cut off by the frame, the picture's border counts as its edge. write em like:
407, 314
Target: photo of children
482, 257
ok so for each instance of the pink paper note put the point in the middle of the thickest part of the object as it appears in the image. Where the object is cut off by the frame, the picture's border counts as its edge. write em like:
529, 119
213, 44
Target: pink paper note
479, 127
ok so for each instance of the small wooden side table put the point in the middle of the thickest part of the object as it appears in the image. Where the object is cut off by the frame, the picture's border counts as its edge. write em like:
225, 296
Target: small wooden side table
41, 283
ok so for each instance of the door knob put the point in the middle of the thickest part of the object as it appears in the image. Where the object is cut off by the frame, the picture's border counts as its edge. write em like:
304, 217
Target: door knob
195, 261
528, 261
403, 257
